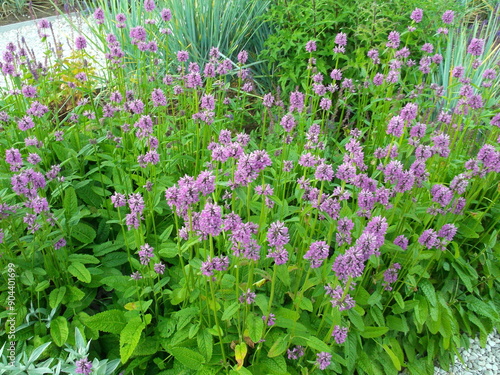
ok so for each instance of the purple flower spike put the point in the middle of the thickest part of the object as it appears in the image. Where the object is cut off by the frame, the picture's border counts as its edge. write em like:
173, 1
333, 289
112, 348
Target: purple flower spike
323, 360
83, 366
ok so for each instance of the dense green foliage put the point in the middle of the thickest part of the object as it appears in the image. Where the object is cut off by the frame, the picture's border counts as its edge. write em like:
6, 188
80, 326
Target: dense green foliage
162, 216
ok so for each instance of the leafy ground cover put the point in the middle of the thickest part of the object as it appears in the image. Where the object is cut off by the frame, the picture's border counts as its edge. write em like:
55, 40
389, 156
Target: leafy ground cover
170, 214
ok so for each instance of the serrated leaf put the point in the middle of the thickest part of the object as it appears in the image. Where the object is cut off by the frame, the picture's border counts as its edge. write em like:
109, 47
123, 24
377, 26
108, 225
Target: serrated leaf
394, 358
70, 203
275, 365
78, 270
112, 321
59, 330
482, 308
372, 332
283, 275
146, 346
356, 319
106, 247
205, 344
42, 286
421, 311
166, 233
279, 346
168, 250
56, 297
83, 233
306, 304
351, 351
129, 337
185, 316
399, 299
255, 327
429, 291
316, 344
187, 357
83, 258
240, 352
74, 294
230, 311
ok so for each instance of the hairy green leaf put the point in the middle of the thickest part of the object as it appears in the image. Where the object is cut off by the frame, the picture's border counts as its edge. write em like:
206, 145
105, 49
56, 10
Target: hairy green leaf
112, 321
188, 357
59, 330
130, 336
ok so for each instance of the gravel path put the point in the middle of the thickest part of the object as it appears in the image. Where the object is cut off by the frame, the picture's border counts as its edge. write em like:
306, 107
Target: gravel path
63, 33
477, 360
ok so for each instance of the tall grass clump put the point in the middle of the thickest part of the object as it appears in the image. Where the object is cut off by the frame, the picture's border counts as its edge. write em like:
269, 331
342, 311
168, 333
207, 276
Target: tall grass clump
200, 25
180, 224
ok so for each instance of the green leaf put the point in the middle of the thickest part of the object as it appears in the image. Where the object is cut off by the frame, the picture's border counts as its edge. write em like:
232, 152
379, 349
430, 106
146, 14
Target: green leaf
112, 321
168, 250
83, 258
305, 304
166, 233
230, 311
351, 349
74, 294
187, 357
185, 316
42, 286
146, 346
316, 344
83, 233
429, 291
394, 358
356, 319
275, 365
482, 308
279, 346
283, 274
78, 270
106, 247
397, 323
56, 297
129, 337
205, 344
421, 311
372, 332
466, 279
399, 299
70, 204
255, 326
59, 330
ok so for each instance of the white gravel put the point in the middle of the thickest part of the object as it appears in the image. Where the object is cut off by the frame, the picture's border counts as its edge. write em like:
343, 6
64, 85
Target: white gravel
64, 33
477, 360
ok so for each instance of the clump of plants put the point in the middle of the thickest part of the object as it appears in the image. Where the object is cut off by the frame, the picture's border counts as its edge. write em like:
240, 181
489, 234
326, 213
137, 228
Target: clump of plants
185, 223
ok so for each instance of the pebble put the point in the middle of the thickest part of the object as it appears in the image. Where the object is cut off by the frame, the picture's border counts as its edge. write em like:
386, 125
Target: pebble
477, 360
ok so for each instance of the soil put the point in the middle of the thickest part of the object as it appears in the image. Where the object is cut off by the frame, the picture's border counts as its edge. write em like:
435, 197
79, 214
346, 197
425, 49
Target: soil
39, 11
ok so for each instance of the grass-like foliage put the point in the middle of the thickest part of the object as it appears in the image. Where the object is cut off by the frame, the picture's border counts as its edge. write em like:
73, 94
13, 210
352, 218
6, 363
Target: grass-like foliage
161, 212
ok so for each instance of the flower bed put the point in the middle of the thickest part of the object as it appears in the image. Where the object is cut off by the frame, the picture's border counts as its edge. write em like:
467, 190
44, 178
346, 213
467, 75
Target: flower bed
352, 229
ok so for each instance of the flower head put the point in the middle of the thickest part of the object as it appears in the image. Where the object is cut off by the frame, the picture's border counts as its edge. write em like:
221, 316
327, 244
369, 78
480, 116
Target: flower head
448, 16
83, 366
417, 14
341, 39
476, 47
80, 42
149, 5
323, 360
99, 16
311, 46
339, 334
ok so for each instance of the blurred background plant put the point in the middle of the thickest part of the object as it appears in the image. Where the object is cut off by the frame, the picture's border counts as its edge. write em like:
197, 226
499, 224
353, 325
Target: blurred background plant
365, 22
